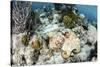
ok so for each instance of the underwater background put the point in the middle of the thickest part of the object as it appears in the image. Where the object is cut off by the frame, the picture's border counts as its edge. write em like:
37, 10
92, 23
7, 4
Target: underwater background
90, 11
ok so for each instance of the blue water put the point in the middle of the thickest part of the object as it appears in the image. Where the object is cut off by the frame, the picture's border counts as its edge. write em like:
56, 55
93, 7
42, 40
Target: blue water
90, 11
36, 5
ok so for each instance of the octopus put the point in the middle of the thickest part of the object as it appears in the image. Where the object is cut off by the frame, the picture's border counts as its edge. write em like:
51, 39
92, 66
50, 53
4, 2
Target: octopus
56, 40
71, 45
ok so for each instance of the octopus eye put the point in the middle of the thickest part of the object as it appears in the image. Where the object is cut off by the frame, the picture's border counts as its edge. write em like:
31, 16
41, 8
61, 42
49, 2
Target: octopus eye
67, 34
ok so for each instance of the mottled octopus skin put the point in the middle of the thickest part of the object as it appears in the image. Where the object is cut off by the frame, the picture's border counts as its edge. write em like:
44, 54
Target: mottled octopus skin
71, 44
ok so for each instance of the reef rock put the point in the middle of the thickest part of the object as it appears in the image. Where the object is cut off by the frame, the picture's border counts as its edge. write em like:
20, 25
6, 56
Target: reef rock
82, 16
17, 59
17, 41
18, 49
44, 19
56, 58
31, 55
43, 57
84, 54
18, 56
50, 27
81, 34
56, 18
91, 34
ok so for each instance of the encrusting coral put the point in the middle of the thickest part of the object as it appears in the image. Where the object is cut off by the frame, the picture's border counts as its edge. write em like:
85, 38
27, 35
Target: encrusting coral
35, 43
25, 39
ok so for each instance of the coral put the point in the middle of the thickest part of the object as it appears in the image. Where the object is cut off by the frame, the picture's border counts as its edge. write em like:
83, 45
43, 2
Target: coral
91, 34
50, 27
43, 57
81, 34
44, 19
55, 58
94, 59
18, 52
50, 53
44, 42
35, 43
17, 40
51, 34
50, 17
56, 18
84, 54
67, 21
20, 14
71, 19
25, 39
82, 16
17, 59
31, 55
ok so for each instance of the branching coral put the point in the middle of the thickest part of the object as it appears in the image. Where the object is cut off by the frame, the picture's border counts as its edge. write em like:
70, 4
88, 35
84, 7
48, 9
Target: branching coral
20, 15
